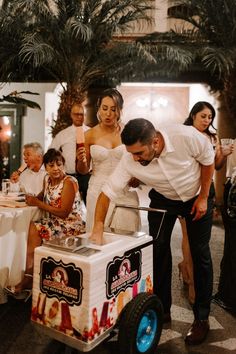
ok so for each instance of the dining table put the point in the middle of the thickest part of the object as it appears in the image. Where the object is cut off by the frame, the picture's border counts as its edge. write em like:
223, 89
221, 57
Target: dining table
15, 218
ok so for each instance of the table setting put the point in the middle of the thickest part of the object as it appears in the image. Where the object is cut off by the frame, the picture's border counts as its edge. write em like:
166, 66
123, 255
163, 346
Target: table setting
12, 200
15, 218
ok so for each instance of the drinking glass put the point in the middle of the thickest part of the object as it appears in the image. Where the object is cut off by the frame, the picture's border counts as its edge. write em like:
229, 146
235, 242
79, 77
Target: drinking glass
226, 141
226, 146
5, 186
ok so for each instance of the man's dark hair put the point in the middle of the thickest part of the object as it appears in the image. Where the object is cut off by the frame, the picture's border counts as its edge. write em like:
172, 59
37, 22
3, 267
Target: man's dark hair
53, 155
138, 130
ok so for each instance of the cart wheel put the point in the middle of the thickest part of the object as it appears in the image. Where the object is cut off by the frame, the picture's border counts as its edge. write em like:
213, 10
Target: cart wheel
140, 325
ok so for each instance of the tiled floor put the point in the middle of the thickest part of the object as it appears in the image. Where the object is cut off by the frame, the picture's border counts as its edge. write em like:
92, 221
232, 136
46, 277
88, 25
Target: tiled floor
19, 336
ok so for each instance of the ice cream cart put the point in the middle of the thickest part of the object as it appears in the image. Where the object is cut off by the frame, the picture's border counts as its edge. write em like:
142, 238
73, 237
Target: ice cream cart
83, 292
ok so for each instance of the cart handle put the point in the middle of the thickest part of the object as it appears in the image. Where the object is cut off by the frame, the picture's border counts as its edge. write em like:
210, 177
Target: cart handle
141, 208
163, 211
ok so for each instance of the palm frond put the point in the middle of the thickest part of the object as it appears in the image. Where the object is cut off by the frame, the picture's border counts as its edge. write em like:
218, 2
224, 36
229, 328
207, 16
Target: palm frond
34, 51
15, 97
78, 30
217, 60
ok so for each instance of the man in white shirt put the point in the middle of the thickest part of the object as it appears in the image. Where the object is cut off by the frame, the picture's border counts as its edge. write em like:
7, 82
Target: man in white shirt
65, 141
178, 163
31, 179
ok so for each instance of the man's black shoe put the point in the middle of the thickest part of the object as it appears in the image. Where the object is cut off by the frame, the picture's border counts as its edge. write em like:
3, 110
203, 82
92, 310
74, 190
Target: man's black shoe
166, 317
197, 332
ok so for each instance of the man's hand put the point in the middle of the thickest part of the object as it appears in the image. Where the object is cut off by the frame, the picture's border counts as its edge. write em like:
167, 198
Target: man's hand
134, 182
100, 215
97, 234
96, 237
199, 208
14, 177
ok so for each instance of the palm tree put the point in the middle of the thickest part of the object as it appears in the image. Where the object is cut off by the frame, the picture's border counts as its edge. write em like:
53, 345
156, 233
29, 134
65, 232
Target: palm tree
76, 42
210, 46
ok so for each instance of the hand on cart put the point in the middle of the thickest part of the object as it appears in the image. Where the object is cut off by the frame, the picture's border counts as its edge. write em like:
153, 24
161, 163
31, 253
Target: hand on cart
97, 235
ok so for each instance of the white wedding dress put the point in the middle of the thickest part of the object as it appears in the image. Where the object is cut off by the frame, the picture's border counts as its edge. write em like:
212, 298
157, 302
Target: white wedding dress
104, 162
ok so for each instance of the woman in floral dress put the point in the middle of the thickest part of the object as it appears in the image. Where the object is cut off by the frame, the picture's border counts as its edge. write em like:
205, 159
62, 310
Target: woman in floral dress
60, 201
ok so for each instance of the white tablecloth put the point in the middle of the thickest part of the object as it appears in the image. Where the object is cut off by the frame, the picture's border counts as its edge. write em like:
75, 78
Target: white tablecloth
14, 225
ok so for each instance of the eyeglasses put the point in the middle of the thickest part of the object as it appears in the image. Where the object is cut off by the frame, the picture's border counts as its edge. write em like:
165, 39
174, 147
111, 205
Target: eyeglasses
78, 114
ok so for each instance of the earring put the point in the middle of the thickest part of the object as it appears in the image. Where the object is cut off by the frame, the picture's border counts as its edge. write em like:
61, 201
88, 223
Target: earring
98, 117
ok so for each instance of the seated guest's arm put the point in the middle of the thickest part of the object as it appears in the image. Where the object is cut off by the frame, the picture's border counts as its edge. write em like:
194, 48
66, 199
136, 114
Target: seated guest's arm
40, 195
67, 200
14, 178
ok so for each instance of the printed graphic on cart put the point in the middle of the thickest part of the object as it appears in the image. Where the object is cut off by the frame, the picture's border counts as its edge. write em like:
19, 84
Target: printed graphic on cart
122, 273
60, 280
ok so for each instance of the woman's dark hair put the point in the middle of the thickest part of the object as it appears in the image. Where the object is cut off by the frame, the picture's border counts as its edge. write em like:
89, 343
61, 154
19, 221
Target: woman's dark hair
198, 107
53, 155
138, 130
115, 95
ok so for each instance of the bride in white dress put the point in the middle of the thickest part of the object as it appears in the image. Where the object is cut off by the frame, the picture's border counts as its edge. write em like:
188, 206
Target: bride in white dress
104, 149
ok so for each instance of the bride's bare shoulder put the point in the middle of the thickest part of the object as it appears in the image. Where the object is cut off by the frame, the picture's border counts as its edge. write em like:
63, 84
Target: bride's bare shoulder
92, 134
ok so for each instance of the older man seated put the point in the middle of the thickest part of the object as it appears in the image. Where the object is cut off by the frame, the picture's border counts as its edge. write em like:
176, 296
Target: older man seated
30, 180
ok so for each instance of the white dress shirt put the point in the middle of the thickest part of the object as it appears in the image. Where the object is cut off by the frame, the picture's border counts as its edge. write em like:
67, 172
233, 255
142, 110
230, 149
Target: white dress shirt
65, 141
32, 182
175, 173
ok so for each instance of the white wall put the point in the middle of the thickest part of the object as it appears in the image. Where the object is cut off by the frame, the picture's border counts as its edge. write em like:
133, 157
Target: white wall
52, 100
160, 102
33, 125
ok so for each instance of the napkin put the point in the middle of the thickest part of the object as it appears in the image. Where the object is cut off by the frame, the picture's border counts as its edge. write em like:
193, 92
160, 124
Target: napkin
12, 204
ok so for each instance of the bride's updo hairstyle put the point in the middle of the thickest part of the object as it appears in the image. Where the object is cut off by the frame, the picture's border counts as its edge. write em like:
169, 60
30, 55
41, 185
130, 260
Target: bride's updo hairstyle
117, 98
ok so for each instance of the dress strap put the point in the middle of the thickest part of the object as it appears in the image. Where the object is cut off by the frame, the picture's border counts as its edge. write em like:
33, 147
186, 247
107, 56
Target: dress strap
74, 181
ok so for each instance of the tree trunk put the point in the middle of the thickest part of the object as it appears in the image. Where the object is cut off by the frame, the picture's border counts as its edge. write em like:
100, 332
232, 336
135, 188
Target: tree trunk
91, 106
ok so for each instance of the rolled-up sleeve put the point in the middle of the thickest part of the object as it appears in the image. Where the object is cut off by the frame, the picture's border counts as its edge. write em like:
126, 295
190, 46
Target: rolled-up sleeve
118, 180
203, 149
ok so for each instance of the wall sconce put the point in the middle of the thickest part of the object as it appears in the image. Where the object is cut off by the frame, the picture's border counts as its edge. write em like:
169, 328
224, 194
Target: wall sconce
152, 103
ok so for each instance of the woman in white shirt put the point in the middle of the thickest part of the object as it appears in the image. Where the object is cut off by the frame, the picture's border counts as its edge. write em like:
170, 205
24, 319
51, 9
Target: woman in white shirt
201, 117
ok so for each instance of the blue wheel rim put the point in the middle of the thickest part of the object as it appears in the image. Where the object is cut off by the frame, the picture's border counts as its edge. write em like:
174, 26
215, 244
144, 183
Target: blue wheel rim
146, 331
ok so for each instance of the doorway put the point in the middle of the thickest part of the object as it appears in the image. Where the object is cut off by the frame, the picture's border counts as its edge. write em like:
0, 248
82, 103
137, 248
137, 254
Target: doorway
10, 138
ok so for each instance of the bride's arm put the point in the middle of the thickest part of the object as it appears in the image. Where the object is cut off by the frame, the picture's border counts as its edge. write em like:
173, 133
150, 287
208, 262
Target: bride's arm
83, 156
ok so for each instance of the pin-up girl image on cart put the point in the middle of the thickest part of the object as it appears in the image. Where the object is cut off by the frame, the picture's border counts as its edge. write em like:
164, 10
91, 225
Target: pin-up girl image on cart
124, 268
60, 276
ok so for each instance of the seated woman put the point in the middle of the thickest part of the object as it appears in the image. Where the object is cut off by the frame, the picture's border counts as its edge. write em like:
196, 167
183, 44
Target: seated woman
60, 200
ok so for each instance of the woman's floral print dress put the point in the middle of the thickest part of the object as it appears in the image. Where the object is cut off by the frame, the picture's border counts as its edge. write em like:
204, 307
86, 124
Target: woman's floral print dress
51, 226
